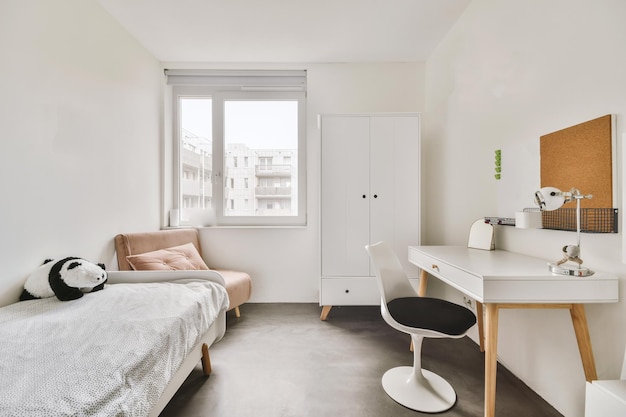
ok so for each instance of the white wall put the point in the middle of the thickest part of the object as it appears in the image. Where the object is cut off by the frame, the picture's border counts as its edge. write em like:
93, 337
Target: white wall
80, 110
507, 73
284, 262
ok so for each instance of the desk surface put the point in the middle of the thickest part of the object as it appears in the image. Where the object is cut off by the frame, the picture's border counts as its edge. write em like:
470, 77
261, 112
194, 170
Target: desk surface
506, 277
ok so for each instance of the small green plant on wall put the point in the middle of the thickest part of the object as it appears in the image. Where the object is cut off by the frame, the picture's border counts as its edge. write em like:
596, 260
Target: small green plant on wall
498, 164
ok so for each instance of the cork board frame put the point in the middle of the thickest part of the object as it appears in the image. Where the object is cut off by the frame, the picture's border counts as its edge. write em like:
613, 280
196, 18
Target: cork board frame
582, 156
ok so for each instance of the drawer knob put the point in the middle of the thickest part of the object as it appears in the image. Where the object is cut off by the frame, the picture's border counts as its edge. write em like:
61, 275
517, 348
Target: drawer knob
435, 267
347, 291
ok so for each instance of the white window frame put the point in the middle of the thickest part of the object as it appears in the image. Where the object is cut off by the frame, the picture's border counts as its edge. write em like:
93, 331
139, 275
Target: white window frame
220, 94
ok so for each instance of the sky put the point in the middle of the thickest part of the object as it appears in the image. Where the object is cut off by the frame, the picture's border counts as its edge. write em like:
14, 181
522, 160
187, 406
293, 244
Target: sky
258, 124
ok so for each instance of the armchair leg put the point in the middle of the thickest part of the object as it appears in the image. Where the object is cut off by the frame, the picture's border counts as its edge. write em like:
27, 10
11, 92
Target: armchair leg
237, 312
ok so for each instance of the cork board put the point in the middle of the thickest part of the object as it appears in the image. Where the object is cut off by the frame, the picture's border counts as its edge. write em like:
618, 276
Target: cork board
581, 156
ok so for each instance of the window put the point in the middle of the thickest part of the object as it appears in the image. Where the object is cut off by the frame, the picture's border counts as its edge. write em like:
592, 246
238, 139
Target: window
233, 126
265, 163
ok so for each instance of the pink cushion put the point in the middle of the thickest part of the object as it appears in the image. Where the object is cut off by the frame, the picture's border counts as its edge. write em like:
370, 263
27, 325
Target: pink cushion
183, 257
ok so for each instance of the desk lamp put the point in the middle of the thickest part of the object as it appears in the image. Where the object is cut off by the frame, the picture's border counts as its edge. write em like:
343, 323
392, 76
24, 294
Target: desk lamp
550, 198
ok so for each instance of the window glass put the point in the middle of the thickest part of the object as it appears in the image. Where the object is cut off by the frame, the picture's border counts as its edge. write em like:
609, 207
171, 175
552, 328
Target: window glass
264, 132
241, 156
196, 152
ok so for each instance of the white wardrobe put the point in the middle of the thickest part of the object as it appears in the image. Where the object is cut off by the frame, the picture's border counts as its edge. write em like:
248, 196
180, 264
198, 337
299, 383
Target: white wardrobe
370, 191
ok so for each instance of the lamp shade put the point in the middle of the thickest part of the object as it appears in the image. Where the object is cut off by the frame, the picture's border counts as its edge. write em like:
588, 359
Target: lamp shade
550, 198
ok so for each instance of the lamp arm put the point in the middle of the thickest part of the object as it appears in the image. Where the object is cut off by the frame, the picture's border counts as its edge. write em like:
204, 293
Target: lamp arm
575, 194
578, 222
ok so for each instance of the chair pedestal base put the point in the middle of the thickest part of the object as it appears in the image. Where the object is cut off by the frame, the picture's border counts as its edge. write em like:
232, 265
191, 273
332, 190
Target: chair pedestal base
431, 394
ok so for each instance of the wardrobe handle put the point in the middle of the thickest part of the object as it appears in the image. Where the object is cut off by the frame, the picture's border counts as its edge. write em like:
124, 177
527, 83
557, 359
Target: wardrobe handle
375, 195
364, 196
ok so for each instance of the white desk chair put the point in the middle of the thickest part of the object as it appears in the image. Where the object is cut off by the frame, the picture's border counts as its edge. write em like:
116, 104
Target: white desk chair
414, 387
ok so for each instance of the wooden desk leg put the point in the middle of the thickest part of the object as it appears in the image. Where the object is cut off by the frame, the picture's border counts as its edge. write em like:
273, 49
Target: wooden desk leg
491, 358
423, 283
579, 319
481, 326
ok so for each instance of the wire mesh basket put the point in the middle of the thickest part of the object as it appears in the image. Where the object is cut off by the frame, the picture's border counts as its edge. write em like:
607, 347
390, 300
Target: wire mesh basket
592, 220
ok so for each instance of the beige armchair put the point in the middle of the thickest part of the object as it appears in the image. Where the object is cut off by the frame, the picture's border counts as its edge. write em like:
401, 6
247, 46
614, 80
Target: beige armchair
155, 244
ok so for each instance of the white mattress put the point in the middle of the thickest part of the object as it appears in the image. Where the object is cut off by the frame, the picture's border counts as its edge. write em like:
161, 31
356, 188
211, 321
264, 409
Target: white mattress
110, 353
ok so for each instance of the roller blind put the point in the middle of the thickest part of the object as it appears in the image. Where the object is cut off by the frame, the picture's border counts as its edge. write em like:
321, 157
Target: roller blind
240, 80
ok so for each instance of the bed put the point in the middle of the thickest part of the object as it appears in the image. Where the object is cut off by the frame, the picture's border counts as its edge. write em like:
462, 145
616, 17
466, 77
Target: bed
122, 351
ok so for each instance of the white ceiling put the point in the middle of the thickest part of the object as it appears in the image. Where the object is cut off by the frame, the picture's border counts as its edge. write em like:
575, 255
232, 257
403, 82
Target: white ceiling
297, 31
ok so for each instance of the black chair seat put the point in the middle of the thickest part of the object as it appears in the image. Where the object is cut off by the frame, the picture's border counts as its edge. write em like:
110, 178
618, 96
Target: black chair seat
432, 314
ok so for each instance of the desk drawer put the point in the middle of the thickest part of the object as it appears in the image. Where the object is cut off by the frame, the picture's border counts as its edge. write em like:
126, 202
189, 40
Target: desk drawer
464, 281
349, 291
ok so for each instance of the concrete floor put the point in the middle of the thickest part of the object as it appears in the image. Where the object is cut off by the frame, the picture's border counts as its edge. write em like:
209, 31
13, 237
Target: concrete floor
280, 360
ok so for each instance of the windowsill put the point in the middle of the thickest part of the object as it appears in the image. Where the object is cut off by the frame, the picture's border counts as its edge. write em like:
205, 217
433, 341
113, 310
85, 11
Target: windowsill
236, 227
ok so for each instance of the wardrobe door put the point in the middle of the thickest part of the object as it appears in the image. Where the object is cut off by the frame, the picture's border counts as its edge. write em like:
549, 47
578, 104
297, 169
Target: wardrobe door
395, 184
345, 196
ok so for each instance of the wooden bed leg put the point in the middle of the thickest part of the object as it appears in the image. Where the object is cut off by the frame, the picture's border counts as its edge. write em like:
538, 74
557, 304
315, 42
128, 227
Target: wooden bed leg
237, 312
206, 360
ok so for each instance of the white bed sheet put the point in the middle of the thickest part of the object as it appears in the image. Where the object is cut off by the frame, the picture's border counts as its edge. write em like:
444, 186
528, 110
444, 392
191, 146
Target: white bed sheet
110, 353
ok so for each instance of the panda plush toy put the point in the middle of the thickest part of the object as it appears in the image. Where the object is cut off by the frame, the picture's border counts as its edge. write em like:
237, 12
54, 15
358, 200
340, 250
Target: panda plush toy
68, 279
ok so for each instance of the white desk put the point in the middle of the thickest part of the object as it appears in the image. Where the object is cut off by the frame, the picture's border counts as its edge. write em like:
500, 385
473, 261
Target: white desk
499, 279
